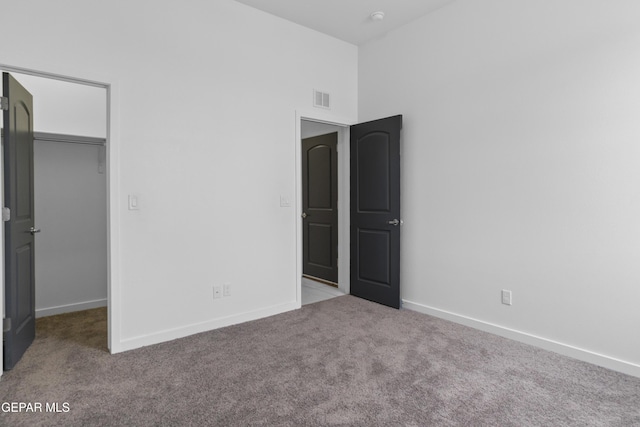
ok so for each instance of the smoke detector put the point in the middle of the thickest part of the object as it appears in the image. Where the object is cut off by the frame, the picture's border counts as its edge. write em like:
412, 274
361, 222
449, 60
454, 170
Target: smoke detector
377, 16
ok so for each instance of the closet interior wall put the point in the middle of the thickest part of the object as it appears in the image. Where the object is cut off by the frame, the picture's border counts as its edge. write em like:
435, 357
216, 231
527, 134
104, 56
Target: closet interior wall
70, 202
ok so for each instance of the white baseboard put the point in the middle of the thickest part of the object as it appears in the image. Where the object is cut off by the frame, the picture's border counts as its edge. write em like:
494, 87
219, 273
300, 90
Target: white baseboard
185, 331
68, 308
547, 344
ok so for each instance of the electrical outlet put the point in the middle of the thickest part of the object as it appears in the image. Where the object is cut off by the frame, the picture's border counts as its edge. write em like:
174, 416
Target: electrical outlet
217, 291
226, 289
506, 297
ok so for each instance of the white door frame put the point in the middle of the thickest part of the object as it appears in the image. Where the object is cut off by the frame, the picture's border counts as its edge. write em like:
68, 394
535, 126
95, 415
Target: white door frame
113, 220
343, 196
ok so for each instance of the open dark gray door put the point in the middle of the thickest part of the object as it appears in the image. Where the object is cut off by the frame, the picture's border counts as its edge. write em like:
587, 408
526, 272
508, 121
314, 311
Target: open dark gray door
320, 207
375, 211
20, 324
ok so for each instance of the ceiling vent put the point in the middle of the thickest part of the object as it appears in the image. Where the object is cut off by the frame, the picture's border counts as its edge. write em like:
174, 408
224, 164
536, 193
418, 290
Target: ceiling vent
321, 99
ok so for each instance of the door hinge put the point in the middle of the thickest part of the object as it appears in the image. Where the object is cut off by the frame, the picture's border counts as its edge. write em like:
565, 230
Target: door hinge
4, 103
6, 214
6, 325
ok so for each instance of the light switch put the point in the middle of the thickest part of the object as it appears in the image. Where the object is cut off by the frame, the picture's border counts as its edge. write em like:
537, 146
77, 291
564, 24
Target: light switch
133, 202
285, 202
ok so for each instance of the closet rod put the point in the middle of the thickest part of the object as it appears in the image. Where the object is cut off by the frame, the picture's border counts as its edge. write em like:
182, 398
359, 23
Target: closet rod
69, 139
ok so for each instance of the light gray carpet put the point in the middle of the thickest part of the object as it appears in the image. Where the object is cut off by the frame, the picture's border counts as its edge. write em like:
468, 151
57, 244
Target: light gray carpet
344, 361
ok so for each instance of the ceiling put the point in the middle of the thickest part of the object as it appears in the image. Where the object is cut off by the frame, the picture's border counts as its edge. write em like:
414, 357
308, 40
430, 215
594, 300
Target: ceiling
348, 20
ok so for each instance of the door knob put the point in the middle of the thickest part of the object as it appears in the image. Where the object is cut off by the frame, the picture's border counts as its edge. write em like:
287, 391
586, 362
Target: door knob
34, 230
304, 215
395, 222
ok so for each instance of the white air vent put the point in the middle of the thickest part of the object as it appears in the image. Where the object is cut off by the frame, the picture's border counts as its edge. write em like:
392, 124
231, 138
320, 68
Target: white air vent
321, 99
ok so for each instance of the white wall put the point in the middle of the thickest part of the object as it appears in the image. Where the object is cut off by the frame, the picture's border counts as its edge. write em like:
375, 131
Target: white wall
204, 96
520, 167
66, 108
310, 129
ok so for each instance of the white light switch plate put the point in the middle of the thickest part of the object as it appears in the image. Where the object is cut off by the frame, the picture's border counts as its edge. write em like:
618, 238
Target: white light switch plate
285, 202
133, 202
506, 297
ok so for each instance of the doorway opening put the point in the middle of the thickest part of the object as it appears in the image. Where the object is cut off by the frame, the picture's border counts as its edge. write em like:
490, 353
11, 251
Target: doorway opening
368, 205
60, 159
329, 276
320, 207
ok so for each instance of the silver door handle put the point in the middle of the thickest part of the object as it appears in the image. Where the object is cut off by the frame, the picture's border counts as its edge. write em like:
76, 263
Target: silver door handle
394, 222
304, 215
34, 230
